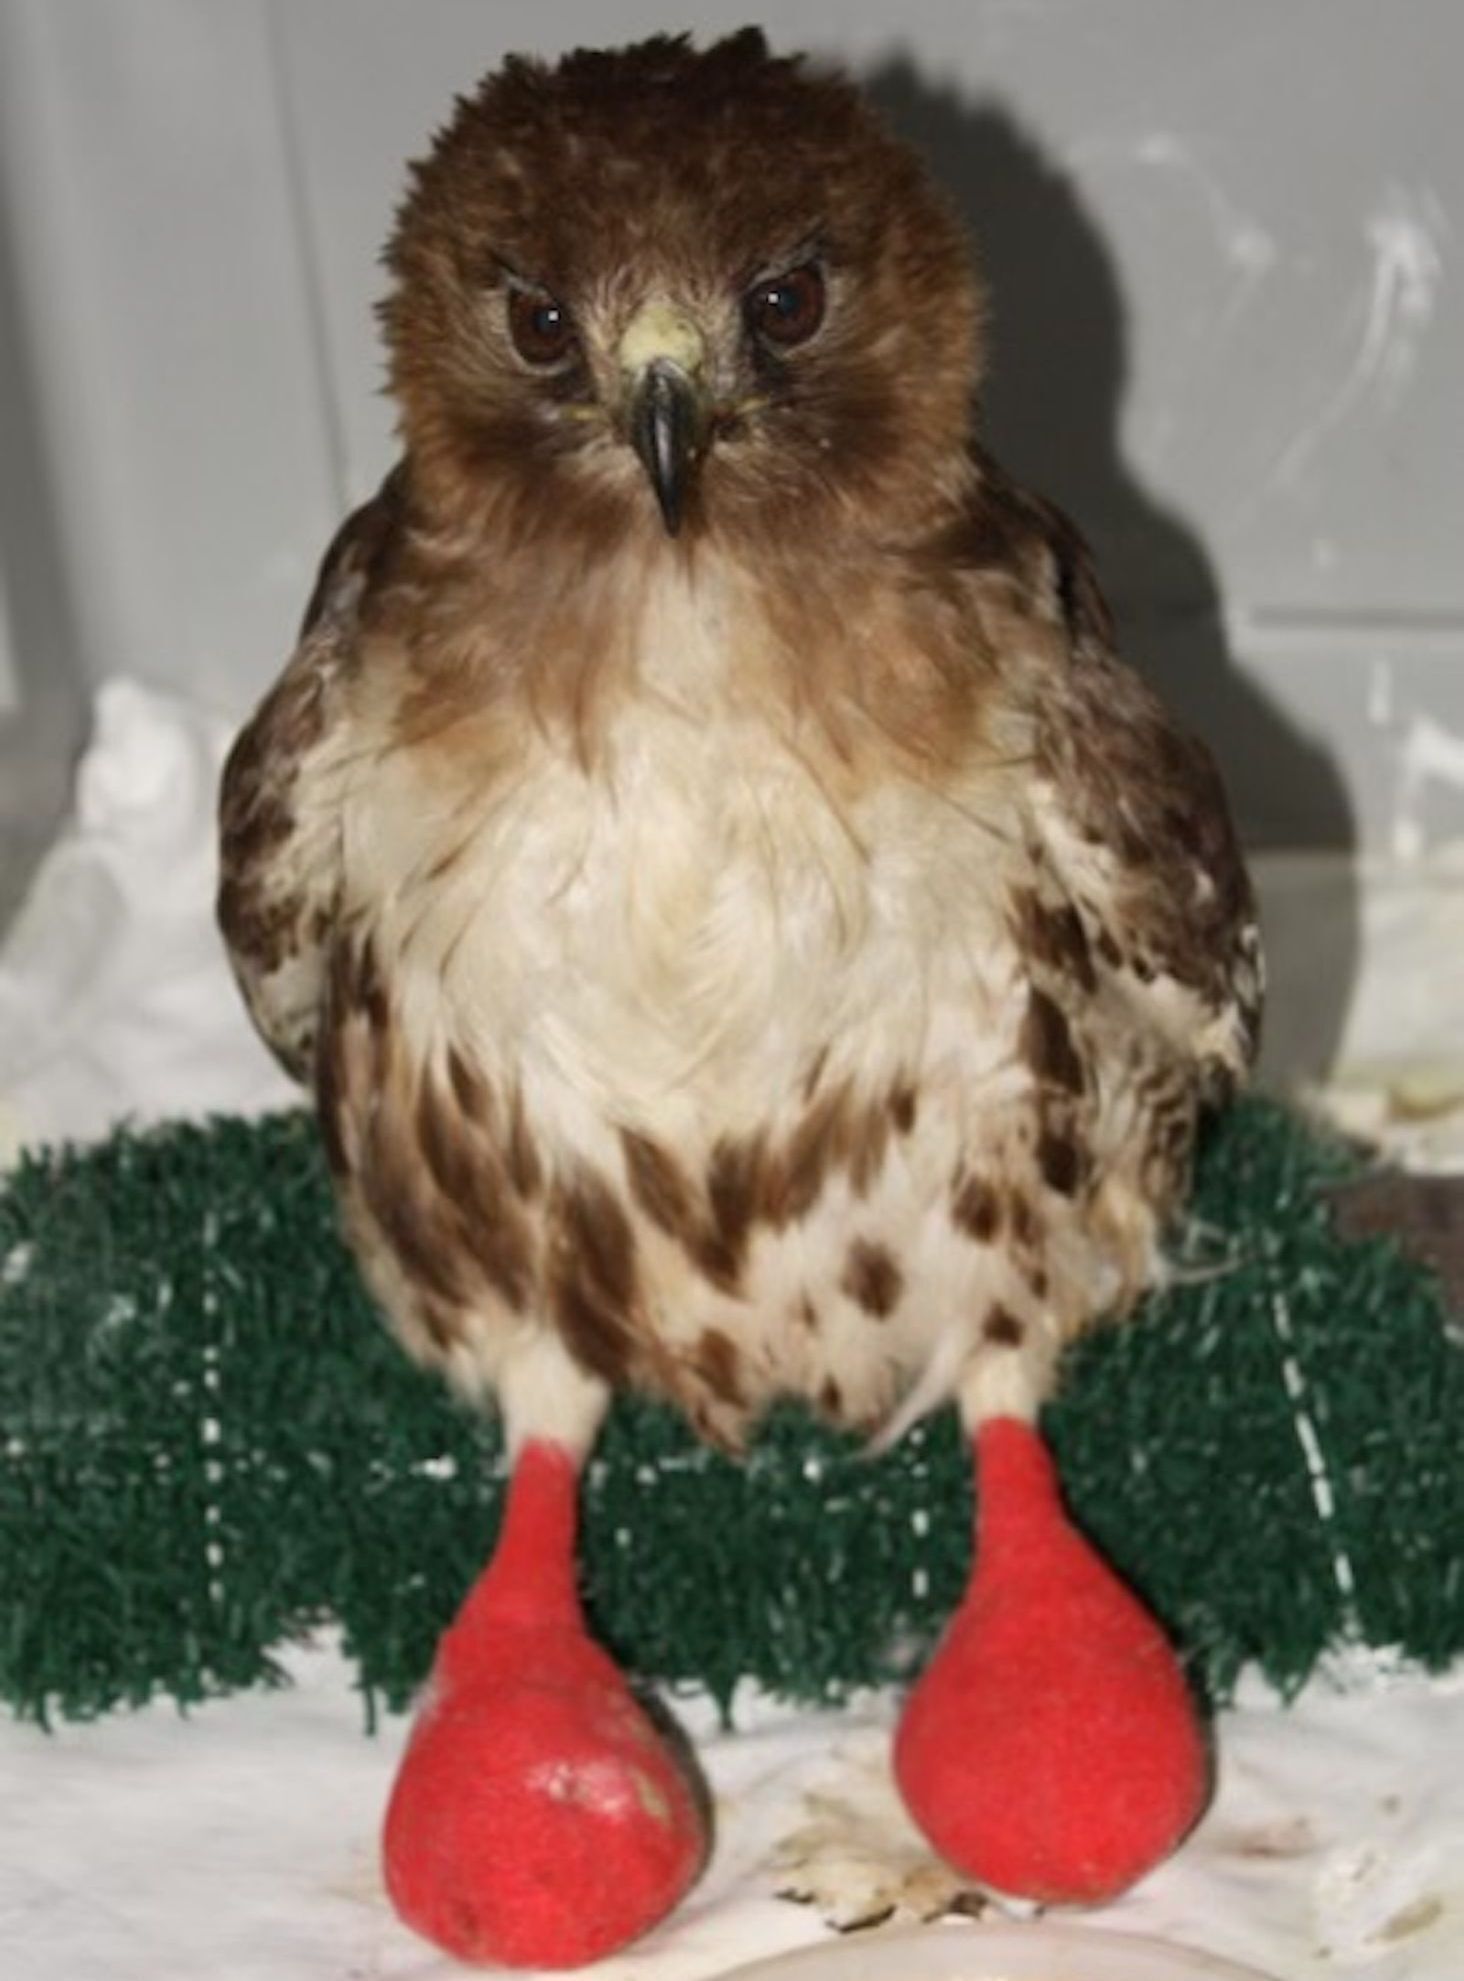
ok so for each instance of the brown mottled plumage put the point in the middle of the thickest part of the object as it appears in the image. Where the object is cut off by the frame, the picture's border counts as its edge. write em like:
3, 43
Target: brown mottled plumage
785, 955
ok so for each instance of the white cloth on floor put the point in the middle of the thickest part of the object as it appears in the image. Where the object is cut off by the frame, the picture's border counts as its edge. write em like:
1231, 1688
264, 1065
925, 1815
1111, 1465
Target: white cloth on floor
240, 1841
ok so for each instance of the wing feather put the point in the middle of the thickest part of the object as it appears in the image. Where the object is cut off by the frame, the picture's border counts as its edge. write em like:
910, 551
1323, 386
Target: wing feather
1130, 811
279, 805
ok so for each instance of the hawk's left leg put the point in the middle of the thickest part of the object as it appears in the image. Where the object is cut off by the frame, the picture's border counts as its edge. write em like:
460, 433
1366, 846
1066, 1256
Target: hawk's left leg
1052, 1749
538, 1818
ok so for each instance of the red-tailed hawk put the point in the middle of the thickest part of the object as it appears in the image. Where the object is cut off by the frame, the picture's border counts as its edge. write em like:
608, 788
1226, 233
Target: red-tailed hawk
746, 932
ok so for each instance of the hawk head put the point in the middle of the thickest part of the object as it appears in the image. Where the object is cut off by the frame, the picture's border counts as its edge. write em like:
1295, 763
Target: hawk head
680, 291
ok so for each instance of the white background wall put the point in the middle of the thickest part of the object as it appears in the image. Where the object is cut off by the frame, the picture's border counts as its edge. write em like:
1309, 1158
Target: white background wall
1224, 242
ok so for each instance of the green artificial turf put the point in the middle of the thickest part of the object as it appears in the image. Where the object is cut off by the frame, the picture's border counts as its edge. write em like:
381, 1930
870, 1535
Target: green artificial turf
208, 1444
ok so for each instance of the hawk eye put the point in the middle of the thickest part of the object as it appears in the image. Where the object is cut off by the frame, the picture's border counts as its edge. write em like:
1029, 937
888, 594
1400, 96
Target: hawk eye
787, 309
542, 329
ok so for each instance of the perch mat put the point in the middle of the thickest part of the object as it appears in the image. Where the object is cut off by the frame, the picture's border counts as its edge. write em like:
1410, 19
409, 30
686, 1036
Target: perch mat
208, 1445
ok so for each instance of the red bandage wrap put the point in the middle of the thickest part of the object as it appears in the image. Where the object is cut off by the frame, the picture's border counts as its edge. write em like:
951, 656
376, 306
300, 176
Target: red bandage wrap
1052, 1750
538, 1819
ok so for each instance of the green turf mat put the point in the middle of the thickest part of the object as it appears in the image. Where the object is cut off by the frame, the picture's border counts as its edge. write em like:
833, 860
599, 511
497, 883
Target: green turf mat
208, 1444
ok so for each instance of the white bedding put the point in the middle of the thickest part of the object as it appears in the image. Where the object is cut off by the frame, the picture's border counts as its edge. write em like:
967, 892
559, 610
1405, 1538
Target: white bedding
239, 1842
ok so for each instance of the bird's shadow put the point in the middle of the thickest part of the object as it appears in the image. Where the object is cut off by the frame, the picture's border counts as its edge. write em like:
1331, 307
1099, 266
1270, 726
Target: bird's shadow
1056, 375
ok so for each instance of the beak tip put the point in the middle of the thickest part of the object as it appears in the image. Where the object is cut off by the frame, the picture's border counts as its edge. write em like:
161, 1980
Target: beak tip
666, 434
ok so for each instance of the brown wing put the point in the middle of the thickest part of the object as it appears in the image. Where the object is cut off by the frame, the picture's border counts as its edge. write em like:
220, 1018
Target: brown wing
1130, 811
279, 839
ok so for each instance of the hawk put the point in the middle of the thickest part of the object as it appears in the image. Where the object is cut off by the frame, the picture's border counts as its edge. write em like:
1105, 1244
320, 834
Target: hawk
746, 932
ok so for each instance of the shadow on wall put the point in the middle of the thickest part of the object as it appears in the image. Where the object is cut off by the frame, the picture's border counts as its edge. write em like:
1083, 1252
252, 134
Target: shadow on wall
1057, 369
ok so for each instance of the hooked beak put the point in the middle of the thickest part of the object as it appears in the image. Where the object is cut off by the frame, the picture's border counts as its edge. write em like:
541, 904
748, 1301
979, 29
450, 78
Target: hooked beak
668, 430
667, 401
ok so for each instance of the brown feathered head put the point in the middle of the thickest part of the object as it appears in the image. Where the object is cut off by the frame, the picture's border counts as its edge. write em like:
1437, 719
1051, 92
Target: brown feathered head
683, 291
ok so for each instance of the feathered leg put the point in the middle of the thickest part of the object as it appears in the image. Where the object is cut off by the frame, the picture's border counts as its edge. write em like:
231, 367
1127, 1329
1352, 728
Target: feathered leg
1052, 1749
538, 1819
